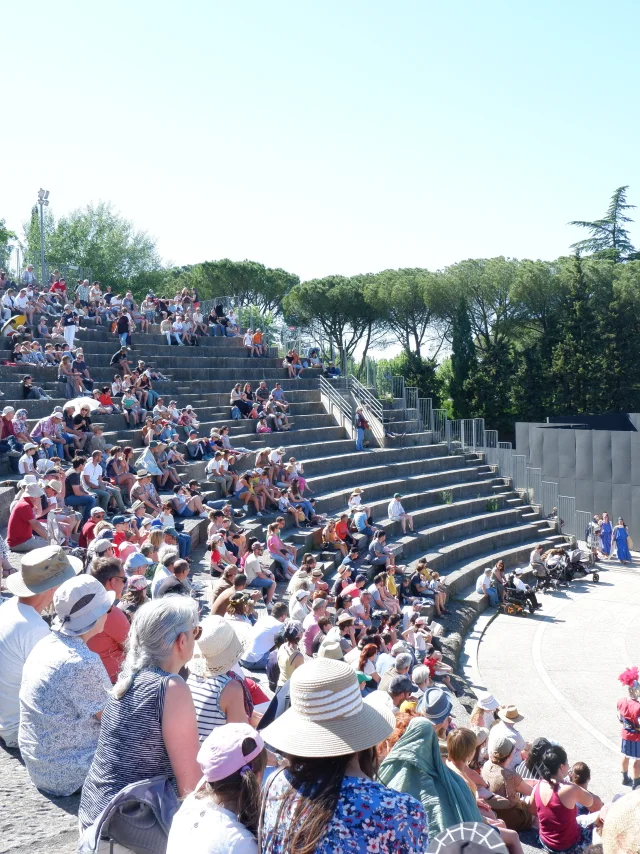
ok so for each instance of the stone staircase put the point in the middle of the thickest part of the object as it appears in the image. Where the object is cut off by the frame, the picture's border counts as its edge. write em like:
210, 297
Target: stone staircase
465, 516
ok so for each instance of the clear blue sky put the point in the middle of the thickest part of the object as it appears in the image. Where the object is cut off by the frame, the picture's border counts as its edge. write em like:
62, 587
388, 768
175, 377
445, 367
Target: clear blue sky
327, 137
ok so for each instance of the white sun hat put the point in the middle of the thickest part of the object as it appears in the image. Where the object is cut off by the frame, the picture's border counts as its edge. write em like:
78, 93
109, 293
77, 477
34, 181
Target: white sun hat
327, 716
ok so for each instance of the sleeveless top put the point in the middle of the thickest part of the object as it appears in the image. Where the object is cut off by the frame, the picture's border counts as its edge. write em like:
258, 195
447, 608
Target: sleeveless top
130, 747
559, 828
206, 698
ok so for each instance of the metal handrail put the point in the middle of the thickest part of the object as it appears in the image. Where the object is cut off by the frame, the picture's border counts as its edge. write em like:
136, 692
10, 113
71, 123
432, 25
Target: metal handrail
328, 388
371, 407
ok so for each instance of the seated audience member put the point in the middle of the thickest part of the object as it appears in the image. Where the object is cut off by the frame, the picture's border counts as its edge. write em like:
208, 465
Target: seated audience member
109, 643
25, 532
332, 747
224, 812
219, 694
507, 783
152, 698
396, 513
41, 572
64, 690
262, 638
555, 802
414, 766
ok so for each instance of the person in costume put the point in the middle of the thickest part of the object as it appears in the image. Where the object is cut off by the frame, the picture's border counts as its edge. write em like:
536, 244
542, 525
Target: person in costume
629, 714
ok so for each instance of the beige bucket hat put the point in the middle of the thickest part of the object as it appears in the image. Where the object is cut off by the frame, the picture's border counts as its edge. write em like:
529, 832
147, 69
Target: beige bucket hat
327, 716
43, 569
217, 649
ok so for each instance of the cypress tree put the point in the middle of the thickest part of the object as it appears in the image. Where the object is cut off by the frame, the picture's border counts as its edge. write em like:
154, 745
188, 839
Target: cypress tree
463, 360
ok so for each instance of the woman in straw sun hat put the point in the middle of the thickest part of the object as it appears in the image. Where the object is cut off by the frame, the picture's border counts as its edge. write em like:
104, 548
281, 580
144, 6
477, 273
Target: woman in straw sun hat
220, 694
324, 798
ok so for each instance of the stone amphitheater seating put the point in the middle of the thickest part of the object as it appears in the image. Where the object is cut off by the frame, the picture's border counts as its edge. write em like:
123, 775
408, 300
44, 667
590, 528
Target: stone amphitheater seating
465, 516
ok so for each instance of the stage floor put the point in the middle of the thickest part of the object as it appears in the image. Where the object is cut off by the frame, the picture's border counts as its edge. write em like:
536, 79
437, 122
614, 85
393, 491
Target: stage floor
561, 665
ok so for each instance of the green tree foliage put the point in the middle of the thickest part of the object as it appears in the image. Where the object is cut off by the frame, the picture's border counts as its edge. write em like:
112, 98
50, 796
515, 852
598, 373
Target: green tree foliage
334, 307
6, 236
412, 304
417, 371
609, 238
98, 238
463, 360
489, 387
248, 282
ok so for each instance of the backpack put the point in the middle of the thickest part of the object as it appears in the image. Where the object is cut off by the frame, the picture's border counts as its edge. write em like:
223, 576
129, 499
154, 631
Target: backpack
235, 413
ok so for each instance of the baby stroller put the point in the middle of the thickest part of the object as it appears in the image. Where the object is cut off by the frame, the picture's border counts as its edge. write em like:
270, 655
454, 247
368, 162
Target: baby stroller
544, 581
580, 564
557, 569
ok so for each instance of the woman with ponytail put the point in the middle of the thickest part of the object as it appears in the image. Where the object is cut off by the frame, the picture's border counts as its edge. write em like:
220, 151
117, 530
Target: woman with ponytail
222, 815
148, 727
556, 806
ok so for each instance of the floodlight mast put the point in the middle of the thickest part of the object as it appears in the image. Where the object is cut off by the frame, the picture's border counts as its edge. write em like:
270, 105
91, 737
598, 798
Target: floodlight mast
43, 201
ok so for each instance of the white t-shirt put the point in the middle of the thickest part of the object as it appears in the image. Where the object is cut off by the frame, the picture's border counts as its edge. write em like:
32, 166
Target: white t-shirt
261, 638
252, 566
202, 827
482, 582
21, 627
248, 339
395, 509
92, 474
501, 729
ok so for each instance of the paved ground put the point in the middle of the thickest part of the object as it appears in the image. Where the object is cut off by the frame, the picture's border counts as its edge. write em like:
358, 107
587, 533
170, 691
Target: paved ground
561, 665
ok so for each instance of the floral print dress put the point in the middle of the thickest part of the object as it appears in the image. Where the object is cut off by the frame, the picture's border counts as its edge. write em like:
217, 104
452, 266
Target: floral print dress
368, 819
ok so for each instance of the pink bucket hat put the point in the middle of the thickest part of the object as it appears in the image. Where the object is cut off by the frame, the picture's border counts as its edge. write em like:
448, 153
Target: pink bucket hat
221, 753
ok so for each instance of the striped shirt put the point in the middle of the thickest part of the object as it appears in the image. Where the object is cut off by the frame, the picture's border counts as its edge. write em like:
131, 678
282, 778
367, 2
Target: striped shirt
130, 747
206, 698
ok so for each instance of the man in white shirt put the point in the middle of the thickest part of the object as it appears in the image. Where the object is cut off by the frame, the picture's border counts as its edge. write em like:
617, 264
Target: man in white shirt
95, 485
164, 569
508, 716
396, 513
524, 588
257, 575
483, 585
261, 639
28, 276
21, 626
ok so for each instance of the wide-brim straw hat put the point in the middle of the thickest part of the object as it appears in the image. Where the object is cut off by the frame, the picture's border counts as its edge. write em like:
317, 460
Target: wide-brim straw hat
217, 650
327, 716
510, 715
621, 830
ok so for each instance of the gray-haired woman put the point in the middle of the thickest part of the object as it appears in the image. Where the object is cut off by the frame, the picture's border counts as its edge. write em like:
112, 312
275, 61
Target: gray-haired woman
149, 723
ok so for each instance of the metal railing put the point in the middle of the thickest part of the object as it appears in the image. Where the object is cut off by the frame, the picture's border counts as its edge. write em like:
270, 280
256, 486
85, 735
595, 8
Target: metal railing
583, 520
549, 491
567, 515
519, 471
534, 485
371, 407
328, 388
425, 414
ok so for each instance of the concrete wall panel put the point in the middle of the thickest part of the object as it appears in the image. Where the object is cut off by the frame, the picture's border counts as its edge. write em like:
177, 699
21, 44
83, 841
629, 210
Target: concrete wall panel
602, 456
621, 457
567, 454
550, 454
584, 454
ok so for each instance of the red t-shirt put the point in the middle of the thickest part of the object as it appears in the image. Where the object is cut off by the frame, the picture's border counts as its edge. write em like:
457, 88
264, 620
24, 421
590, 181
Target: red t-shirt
342, 529
57, 287
109, 644
118, 537
629, 710
351, 590
19, 530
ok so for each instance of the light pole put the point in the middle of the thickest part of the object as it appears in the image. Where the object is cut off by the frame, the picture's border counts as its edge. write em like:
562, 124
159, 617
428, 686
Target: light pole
43, 201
